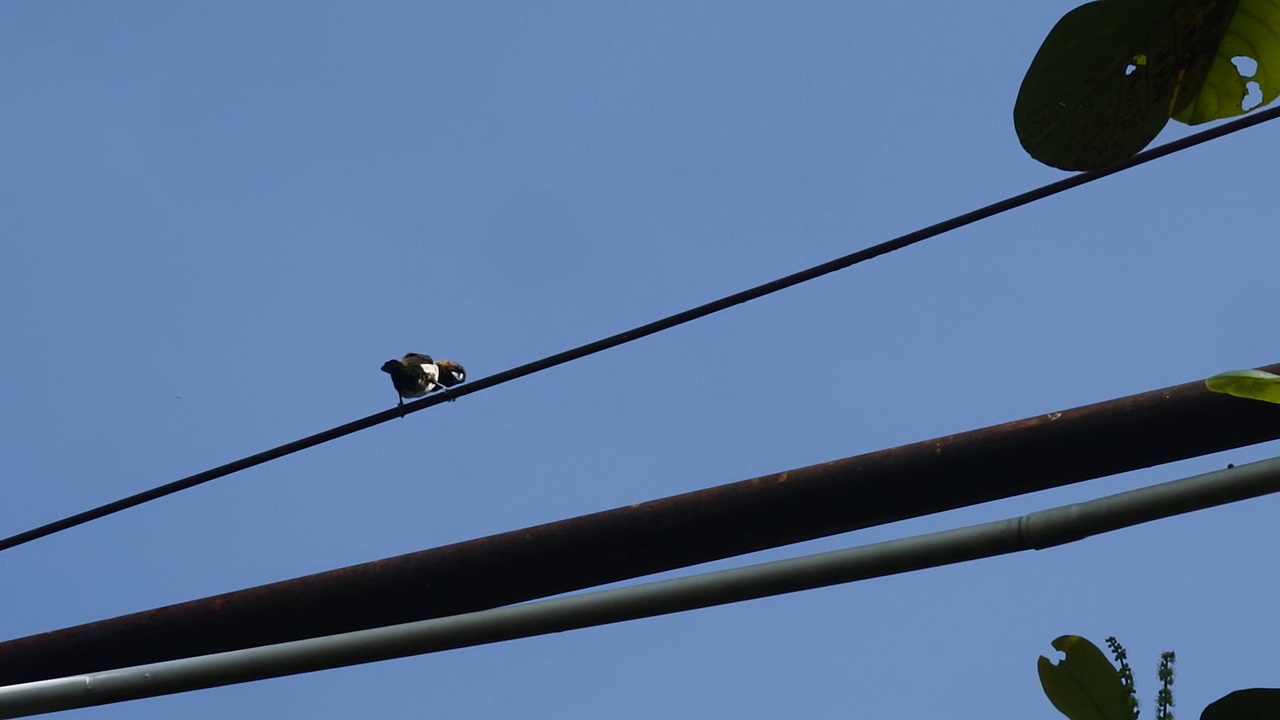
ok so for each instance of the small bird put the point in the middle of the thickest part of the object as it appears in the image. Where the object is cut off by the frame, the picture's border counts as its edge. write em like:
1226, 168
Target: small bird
415, 375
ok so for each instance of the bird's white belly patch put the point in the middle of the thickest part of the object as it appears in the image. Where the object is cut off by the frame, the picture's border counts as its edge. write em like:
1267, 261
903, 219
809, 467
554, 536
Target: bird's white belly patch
431, 371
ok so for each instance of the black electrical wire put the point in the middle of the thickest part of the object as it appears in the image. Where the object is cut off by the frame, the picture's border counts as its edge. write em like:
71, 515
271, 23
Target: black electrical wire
666, 323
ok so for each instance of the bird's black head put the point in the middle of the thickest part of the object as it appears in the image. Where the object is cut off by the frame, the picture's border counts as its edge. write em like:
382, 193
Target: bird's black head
392, 366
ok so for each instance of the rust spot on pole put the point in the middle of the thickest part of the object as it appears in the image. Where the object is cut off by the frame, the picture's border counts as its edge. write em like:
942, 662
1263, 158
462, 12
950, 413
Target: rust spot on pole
834, 497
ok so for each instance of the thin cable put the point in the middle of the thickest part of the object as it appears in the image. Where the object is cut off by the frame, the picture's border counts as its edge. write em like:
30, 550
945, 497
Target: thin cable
666, 323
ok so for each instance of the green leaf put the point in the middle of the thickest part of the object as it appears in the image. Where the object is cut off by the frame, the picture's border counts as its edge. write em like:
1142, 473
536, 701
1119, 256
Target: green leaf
1252, 384
1254, 32
1084, 686
1110, 75
1252, 704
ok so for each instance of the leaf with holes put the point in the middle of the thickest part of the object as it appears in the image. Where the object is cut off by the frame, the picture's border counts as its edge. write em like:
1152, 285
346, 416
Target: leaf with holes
1112, 72
1252, 384
1085, 685
1246, 68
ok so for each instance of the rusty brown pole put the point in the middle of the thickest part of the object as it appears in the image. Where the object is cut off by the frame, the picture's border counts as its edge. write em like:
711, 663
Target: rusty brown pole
912, 480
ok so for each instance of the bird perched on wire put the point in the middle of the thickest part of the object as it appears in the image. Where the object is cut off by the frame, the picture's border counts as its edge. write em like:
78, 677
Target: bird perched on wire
415, 374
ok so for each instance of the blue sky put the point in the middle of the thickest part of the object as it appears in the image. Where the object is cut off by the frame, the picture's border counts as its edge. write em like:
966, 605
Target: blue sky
220, 220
